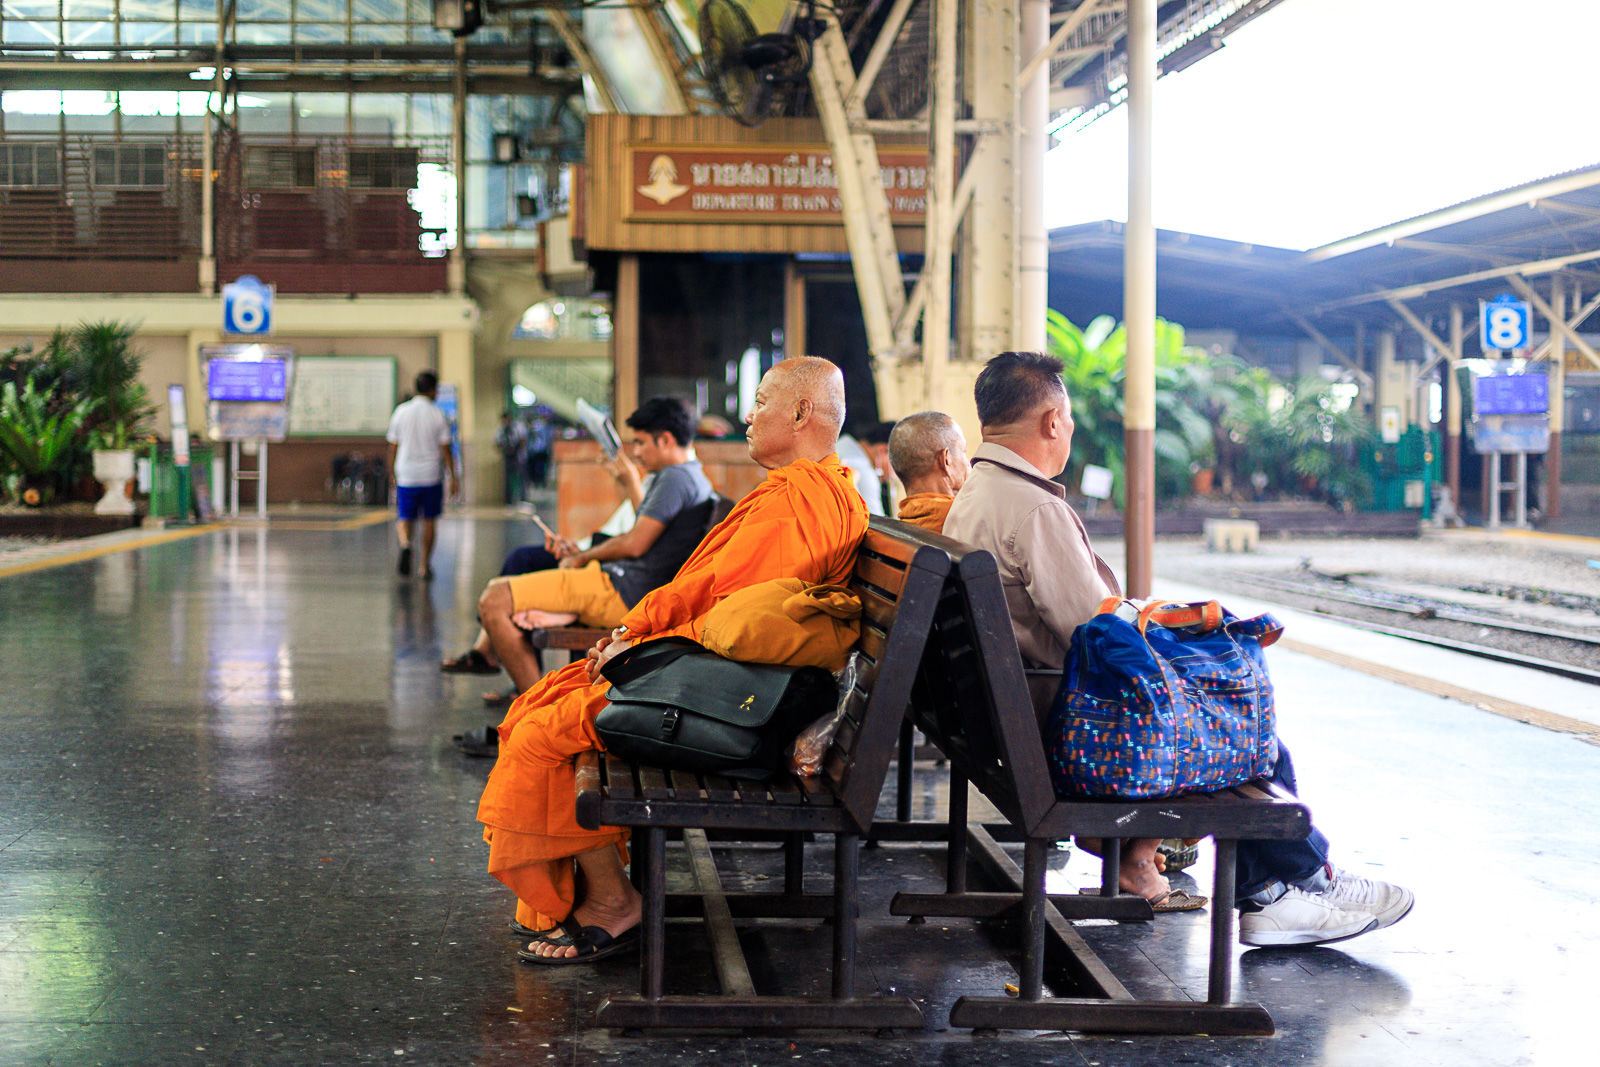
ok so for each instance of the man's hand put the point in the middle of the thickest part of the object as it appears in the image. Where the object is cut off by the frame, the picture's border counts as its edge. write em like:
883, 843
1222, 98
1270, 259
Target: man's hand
559, 547
605, 648
453, 489
627, 477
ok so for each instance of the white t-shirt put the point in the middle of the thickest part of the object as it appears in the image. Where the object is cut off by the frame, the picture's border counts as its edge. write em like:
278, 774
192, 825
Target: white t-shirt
418, 428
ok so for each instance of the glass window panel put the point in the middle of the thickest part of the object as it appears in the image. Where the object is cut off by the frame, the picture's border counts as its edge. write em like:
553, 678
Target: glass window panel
258, 10
430, 115
370, 34
90, 123
29, 33
379, 113
30, 9
197, 33
262, 33
380, 10
198, 10
84, 33
264, 112
420, 11
319, 10
88, 9
166, 124
149, 33
307, 32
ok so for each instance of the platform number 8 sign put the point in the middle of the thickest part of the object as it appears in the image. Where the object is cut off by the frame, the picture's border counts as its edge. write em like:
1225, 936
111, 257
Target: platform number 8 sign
1503, 323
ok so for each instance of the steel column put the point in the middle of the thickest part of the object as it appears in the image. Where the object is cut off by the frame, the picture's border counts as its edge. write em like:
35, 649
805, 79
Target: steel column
1452, 410
1033, 243
989, 250
873, 255
1139, 303
456, 268
1558, 370
938, 234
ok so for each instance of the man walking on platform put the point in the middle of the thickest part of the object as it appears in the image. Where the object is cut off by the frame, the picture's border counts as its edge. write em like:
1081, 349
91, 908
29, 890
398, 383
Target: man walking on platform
419, 457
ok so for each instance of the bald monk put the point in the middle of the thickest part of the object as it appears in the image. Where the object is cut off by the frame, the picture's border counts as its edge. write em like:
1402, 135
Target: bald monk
928, 452
805, 522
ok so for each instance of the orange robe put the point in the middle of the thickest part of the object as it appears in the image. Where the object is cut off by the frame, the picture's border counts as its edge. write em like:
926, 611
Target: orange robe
926, 510
804, 521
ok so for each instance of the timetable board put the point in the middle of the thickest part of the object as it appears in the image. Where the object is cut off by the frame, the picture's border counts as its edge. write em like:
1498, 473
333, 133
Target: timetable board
342, 396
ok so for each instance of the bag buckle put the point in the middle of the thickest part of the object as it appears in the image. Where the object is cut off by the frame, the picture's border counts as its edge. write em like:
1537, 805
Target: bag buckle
669, 722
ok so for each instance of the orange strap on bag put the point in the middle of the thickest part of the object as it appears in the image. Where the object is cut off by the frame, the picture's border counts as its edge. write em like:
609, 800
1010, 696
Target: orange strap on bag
1203, 616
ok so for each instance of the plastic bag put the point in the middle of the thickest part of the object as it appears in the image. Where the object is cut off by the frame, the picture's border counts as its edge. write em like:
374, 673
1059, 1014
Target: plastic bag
811, 744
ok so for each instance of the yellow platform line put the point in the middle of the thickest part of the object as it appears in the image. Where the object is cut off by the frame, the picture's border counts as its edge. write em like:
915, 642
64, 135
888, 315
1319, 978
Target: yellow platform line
1548, 720
154, 537
1540, 535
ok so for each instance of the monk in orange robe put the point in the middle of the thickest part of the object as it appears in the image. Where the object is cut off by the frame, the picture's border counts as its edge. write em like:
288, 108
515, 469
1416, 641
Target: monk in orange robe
805, 521
928, 452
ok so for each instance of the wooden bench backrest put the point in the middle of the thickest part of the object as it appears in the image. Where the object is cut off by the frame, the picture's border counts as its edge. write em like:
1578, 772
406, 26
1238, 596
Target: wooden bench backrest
971, 696
900, 580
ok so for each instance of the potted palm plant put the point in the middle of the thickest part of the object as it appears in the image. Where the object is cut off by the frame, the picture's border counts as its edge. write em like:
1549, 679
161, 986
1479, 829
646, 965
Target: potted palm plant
100, 362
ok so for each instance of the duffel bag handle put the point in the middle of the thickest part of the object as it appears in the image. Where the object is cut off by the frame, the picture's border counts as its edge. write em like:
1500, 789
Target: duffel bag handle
639, 660
1204, 616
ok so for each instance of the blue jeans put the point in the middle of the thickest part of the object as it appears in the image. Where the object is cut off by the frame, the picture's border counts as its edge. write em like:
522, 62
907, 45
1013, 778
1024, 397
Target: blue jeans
1270, 864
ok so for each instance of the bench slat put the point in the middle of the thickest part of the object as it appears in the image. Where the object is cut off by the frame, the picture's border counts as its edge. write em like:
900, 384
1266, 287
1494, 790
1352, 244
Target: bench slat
720, 788
685, 785
653, 784
783, 790
877, 572
619, 778
816, 792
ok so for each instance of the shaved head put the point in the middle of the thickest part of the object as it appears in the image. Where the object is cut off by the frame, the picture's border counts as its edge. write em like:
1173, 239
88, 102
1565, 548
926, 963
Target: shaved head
916, 440
798, 412
817, 380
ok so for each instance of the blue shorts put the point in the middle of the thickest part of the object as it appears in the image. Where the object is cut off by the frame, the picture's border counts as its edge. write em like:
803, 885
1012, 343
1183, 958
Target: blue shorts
426, 501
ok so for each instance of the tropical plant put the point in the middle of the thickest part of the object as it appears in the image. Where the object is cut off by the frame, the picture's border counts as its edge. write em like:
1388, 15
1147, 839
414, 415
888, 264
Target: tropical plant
98, 360
39, 440
1092, 366
1306, 441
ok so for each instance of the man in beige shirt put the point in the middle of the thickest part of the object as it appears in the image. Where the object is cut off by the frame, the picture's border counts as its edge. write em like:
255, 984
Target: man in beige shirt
1289, 891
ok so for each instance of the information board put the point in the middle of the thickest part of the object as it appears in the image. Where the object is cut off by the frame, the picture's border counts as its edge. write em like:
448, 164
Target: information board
1511, 394
342, 396
247, 380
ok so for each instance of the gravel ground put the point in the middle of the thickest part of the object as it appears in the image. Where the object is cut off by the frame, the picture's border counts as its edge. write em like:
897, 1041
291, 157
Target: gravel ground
1531, 582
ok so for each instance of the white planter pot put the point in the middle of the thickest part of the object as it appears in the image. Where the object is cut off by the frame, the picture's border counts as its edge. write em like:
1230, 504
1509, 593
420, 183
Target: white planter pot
113, 468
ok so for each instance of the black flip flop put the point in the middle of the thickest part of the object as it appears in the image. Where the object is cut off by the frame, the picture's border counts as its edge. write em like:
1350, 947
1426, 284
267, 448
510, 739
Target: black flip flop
404, 564
592, 943
562, 933
483, 742
469, 662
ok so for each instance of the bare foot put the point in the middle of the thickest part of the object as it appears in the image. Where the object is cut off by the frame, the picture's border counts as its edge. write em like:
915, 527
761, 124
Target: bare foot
614, 917
1144, 878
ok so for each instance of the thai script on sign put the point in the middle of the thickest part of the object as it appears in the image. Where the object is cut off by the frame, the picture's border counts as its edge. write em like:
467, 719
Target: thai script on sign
816, 172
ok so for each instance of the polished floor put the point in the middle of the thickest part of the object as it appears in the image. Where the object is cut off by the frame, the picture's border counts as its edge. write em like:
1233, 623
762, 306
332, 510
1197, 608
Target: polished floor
233, 831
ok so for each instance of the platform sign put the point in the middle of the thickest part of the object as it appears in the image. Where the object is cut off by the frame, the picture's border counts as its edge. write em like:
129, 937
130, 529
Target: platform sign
1511, 394
248, 387
1511, 434
1504, 324
247, 306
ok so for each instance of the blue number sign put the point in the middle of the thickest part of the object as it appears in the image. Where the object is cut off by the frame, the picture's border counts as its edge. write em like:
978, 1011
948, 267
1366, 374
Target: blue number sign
1504, 323
247, 306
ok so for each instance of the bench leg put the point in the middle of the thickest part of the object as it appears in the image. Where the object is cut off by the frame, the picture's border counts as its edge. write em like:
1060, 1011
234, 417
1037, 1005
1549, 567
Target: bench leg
1033, 868
955, 857
846, 854
794, 865
902, 799
1219, 986
653, 965
1110, 866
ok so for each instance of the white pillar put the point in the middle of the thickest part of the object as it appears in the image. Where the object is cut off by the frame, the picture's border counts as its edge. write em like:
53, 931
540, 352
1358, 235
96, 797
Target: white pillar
1139, 302
1033, 245
988, 287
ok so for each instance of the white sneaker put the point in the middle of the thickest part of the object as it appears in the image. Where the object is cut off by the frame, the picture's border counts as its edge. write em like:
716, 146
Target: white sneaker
1301, 918
1389, 903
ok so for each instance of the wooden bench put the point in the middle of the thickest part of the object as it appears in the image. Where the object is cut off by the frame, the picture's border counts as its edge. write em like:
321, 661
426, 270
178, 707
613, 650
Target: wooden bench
971, 700
899, 580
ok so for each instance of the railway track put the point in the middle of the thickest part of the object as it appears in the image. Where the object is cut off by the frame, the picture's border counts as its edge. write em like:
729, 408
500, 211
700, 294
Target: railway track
1439, 622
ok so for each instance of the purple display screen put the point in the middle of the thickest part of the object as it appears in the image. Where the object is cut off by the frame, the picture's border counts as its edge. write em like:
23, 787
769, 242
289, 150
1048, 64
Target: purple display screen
245, 381
1511, 394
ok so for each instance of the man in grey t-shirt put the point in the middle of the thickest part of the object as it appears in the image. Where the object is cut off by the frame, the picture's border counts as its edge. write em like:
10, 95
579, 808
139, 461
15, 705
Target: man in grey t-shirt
597, 586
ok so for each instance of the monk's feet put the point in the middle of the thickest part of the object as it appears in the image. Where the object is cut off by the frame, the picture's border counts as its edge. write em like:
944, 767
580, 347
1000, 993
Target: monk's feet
595, 929
1143, 878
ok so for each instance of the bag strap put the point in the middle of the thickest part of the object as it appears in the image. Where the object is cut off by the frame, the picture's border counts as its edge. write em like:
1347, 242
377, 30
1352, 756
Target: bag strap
1204, 616
1264, 628
636, 662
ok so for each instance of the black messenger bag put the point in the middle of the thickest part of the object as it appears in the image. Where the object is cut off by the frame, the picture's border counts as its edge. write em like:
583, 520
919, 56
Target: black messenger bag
675, 705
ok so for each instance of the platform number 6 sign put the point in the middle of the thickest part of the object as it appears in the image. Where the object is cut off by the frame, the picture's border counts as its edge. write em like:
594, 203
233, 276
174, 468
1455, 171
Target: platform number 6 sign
1503, 323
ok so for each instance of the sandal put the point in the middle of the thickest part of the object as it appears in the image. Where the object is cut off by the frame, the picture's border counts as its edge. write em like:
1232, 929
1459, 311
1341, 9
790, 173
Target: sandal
484, 742
1179, 900
592, 944
469, 662
562, 933
504, 698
